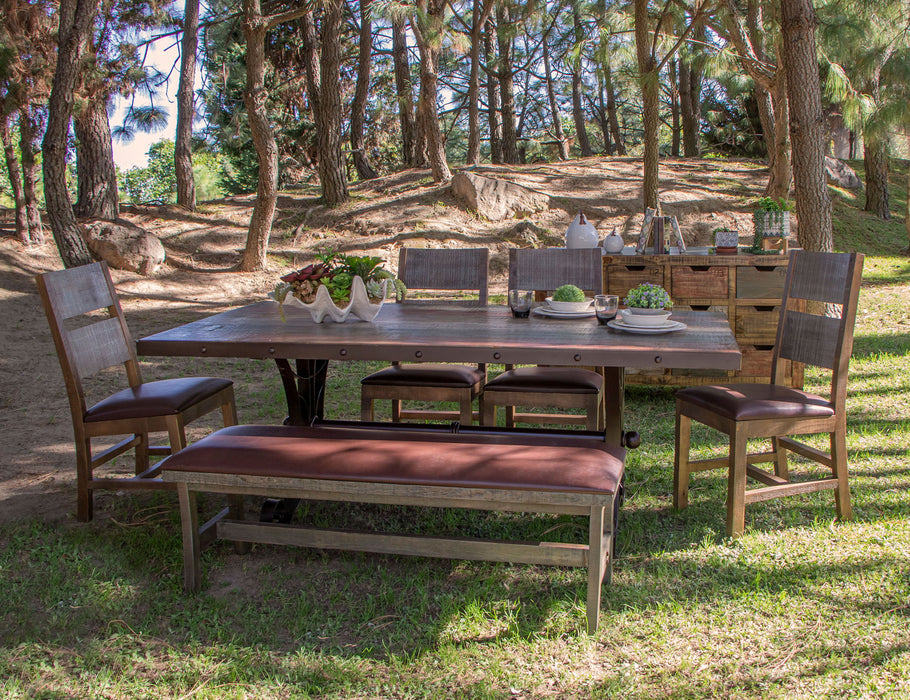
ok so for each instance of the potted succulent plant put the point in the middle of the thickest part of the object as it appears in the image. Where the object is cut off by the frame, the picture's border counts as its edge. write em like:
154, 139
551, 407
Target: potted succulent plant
771, 218
648, 305
359, 282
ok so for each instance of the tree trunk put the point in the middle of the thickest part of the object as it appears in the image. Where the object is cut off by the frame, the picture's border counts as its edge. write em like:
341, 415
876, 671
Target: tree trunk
648, 79
807, 125
578, 110
781, 172
690, 108
254, 98
428, 27
28, 146
479, 16
907, 211
332, 175
183, 140
674, 109
602, 120
310, 55
404, 93
76, 18
611, 110
97, 177
493, 106
875, 161
506, 84
15, 179
554, 109
361, 93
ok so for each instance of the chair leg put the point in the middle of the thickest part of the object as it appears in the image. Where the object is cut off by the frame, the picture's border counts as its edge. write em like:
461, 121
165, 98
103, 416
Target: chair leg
736, 484
839, 459
466, 412
781, 468
84, 499
176, 434
229, 412
396, 411
141, 452
192, 548
510, 416
487, 413
592, 414
599, 563
681, 461
366, 408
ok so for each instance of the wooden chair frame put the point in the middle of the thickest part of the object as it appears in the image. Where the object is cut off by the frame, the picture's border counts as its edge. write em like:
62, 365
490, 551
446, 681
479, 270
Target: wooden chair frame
820, 340
447, 270
86, 348
543, 270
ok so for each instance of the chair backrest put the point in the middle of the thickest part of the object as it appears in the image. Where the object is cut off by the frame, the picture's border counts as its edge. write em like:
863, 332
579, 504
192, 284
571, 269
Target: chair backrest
817, 315
545, 269
87, 342
446, 270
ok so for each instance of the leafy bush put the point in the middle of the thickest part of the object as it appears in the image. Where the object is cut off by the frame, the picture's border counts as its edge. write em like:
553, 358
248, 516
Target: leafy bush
649, 296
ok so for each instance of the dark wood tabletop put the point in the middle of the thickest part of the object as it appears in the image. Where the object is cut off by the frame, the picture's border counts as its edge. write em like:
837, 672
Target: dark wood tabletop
445, 334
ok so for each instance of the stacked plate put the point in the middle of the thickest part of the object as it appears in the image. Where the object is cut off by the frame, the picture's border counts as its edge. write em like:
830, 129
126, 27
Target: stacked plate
566, 309
664, 327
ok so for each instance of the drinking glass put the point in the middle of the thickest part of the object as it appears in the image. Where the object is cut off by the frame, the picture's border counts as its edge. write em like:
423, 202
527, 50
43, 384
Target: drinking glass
605, 307
520, 302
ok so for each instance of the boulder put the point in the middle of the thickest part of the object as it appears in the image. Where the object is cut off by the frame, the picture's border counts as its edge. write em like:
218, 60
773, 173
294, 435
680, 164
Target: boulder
494, 199
840, 174
124, 246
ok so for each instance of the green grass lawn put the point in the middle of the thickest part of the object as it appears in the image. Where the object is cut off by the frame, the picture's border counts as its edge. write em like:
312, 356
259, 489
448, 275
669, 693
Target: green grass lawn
800, 607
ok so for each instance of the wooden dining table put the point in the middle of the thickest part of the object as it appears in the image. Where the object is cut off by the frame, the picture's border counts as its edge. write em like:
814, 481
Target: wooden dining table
428, 333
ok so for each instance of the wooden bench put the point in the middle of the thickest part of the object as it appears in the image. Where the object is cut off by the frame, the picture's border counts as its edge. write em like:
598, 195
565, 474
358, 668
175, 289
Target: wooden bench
495, 471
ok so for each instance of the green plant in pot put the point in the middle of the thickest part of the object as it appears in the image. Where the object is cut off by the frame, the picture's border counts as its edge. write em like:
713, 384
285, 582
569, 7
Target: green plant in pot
771, 219
648, 305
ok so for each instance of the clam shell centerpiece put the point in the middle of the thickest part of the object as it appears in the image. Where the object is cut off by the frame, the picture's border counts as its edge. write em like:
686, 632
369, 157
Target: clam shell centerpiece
359, 307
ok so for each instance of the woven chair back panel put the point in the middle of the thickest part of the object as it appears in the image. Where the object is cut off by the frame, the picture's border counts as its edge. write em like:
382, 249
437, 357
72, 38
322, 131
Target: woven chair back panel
811, 339
821, 277
78, 290
97, 346
546, 269
463, 269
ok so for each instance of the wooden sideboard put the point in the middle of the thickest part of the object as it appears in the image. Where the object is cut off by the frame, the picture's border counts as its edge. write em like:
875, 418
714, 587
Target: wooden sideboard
747, 288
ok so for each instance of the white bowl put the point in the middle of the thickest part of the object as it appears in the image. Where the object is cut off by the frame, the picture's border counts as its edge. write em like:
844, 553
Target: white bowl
645, 317
570, 306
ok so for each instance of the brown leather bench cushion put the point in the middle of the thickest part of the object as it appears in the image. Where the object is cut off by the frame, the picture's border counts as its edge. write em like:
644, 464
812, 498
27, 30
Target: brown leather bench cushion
429, 374
558, 380
530, 462
162, 398
756, 401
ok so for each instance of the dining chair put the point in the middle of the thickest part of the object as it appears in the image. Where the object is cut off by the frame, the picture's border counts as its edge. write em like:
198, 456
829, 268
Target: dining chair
544, 270
815, 327
432, 276
91, 335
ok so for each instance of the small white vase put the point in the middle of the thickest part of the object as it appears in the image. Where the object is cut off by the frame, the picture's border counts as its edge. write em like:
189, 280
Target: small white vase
581, 233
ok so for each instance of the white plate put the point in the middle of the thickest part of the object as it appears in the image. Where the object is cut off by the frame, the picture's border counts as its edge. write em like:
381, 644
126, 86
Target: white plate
668, 327
547, 311
572, 307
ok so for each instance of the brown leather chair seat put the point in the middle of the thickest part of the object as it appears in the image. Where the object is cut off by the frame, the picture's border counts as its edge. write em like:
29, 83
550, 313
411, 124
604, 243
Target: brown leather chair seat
160, 398
562, 380
756, 401
427, 374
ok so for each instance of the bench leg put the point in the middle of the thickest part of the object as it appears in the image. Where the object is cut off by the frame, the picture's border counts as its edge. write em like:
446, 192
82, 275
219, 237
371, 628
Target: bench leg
189, 520
600, 545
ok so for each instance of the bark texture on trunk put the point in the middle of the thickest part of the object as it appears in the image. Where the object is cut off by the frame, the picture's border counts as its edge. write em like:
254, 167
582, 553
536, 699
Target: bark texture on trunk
781, 175
875, 161
404, 92
97, 177
690, 109
674, 109
361, 94
807, 125
15, 179
254, 97
332, 175
578, 110
76, 18
611, 111
493, 107
648, 80
183, 141
554, 108
506, 85
28, 147
428, 26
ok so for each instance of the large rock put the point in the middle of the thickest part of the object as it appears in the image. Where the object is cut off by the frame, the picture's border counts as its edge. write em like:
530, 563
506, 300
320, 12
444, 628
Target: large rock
494, 199
840, 174
124, 246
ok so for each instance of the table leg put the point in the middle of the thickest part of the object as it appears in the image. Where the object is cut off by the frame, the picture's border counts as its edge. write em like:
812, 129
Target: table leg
614, 403
304, 390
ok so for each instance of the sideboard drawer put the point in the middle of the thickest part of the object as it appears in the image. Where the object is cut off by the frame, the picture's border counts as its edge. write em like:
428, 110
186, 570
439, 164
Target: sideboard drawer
760, 282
